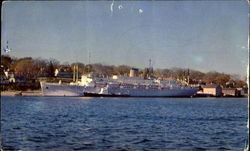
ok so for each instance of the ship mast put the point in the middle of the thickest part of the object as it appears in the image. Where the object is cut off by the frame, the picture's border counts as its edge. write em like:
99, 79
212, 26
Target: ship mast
74, 73
89, 61
77, 73
150, 69
150, 63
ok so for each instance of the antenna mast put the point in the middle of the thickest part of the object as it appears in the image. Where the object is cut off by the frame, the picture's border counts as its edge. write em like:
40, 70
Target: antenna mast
89, 61
150, 69
89, 57
77, 72
74, 72
150, 63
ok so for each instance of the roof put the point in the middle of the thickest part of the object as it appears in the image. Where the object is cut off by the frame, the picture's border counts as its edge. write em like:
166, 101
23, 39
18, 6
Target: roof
211, 86
231, 89
193, 82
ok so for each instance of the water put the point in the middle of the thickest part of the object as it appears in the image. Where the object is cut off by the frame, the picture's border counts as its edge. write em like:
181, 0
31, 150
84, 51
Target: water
110, 124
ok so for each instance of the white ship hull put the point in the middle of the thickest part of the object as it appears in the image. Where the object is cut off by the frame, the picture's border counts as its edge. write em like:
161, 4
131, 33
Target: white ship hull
124, 86
55, 89
175, 92
159, 93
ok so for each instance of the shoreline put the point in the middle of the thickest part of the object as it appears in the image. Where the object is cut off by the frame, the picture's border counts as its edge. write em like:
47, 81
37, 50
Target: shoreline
21, 93
38, 93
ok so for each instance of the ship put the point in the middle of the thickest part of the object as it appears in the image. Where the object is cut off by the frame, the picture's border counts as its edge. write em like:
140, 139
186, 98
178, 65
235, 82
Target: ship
75, 88
119, 86
140, 87
58, 89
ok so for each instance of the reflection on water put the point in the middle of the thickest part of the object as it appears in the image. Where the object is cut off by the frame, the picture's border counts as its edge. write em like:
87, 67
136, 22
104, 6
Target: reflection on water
58, 123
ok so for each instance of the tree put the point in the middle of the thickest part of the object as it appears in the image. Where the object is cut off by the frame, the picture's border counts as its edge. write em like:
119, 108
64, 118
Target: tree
196, 75
122, 70
41, 65
55, 63
222, 79
26, 67
6, 61
145, 73
210, 77
240, 84
51, 69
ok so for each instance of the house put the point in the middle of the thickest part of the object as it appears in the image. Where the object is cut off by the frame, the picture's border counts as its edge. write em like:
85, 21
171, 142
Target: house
212, 89
133, 72
242, 91
194, 83
63, 73
4, 79
8, 76
229, 92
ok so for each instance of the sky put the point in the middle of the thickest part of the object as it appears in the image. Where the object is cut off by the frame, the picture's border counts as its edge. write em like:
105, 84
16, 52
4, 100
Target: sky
200, 35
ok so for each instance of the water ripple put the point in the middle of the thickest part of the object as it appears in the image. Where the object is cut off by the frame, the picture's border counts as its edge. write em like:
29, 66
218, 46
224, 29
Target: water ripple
99, 124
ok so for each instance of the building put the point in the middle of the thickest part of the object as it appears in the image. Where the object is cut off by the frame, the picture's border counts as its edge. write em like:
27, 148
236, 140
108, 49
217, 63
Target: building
4, 79
212, 90
8, 76
242, 91
193, 83
63, 73
134, 72
230, 92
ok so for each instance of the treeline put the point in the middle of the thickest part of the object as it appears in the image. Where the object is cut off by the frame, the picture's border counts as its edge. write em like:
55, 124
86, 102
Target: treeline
30, 69
212, 77
27, 67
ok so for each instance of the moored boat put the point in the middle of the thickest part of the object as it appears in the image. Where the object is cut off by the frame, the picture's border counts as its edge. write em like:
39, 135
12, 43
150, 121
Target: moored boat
139, 87
119, 86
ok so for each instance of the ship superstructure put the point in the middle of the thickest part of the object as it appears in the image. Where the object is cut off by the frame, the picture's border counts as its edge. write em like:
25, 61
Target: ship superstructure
140, 87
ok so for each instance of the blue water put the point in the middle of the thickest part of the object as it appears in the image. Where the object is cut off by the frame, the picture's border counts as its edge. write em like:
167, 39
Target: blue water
110, 124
